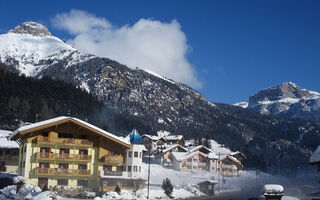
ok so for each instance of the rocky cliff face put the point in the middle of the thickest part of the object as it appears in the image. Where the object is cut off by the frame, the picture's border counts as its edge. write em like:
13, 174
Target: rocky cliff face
287, 99
32, 28
157, 102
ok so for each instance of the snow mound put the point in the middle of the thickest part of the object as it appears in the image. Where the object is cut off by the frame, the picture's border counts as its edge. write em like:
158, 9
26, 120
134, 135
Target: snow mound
272, 188
27, 191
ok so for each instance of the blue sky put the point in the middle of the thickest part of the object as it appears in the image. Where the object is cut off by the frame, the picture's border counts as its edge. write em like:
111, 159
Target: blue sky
235, 48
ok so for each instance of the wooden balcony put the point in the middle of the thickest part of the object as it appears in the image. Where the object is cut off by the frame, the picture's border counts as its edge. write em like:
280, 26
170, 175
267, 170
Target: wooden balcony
9, 157
64, 157
64, 141
113, 159
202, 164
61, 172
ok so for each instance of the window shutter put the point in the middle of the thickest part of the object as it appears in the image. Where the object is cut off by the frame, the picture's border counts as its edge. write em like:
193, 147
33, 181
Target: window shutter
60, 151
79, 166
68, 151
67, 166
47, 165
85, 166
40, 165
48, 149
104, 167
60, 166
41, 149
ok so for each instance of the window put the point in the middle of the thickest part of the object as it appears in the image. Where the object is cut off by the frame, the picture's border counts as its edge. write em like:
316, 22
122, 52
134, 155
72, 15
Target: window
130, 154
136, 154
135, 168
63, 165
189, 160
64, 151
110, 182
119, 168
112, 153
129, 168
45, 134
83, 183
195, 167
140, 154
107, 168
139, 168
83, 151
82, 166
62, 181
41, 164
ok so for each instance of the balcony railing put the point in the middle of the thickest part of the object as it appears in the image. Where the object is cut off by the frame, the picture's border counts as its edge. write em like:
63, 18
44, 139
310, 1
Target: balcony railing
66, 157
61, 172
9, 157
65, 141
113, 159
202, 164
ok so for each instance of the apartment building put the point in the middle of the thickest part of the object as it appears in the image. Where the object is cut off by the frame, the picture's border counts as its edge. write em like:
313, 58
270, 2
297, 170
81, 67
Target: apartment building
72, 153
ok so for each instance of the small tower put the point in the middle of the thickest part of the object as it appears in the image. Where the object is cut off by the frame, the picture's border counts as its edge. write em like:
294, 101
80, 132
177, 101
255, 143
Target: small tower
134, 155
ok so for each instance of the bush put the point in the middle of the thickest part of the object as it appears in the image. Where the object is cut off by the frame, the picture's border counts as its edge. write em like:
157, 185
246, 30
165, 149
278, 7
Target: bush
167, 187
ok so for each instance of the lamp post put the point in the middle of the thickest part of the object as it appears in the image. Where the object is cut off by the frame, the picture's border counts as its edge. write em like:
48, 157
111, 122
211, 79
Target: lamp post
149, 169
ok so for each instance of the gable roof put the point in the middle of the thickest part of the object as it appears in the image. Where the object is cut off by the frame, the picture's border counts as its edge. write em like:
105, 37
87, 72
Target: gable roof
231, 158
63, 119
170, 147
152, 137
180, 156
238, 152
196, 148
173, 137
315, 157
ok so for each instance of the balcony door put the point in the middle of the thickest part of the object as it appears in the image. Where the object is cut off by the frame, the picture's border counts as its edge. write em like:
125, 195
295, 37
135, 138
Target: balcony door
83, 153
44, 152
64, 153
42, 182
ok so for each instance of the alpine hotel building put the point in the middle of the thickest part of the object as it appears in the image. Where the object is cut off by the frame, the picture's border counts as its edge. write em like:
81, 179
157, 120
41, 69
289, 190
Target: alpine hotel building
69, 152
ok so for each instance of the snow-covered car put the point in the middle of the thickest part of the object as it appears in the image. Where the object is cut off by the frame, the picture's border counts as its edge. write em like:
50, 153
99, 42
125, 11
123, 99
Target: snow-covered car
272, 191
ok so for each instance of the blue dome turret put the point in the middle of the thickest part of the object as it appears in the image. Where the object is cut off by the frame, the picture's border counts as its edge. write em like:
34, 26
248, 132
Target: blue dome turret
135, 137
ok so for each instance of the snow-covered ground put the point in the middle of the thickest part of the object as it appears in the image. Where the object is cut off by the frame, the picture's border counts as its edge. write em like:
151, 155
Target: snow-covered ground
185, 185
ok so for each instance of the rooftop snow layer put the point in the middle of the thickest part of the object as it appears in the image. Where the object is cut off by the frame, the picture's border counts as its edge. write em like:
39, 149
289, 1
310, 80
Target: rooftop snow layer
272, 188
5, 142
315, 157
39, 124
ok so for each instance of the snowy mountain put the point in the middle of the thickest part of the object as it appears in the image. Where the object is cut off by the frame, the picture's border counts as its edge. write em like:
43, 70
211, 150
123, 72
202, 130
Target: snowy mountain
155, 101
287, 99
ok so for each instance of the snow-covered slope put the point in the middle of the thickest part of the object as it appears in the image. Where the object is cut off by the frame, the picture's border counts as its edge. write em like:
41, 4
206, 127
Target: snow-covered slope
30, 47
287, 99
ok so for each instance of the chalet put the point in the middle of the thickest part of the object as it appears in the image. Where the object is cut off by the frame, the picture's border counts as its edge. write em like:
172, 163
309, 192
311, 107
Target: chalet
152, 142
229, 166
315, 160
162, 154
175, 139
191, 161
69, 152
9, 153
207, 187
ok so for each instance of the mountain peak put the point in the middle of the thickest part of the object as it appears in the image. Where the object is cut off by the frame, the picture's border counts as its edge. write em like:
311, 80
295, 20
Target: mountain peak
32, 28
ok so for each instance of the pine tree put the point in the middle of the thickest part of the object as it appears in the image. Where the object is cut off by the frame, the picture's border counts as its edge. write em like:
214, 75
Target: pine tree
167, 187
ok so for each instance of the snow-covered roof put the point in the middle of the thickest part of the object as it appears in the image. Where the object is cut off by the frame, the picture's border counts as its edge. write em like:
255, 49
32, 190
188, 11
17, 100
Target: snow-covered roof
5, 142
196, 148
152, 137
238, 152
63, 119
174, 137
218, 148
230, 157
170, 147
272, 188
208, 181
315, 157
180, 156
212, 155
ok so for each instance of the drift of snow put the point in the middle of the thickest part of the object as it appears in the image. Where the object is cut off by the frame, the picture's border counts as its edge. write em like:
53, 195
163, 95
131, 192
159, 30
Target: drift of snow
4, 142
242, 104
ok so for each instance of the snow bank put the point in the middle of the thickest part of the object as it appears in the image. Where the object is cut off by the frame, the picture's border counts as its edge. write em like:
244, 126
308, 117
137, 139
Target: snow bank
178, 192
27, 191
315, 157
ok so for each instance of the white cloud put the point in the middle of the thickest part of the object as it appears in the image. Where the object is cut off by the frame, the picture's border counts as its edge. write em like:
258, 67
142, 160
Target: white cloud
148, 44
